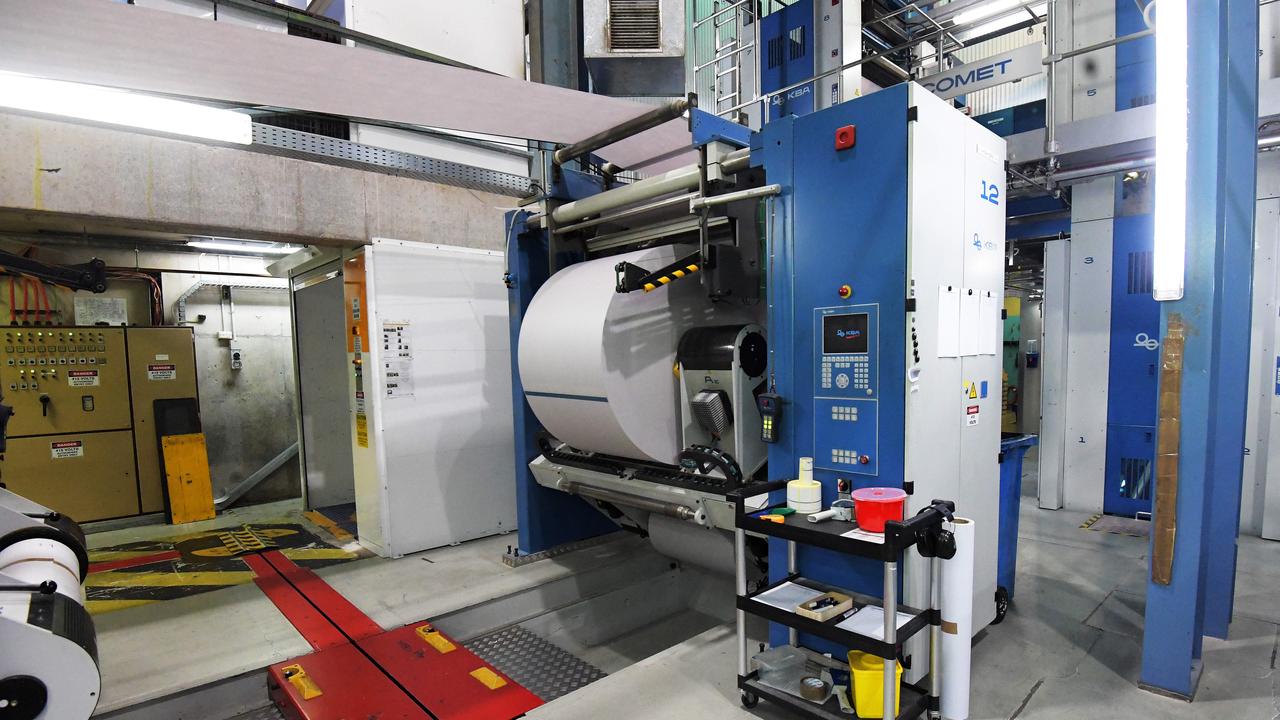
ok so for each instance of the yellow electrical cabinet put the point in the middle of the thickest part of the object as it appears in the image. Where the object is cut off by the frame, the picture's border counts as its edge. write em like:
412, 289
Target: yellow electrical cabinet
162, 366
82, 439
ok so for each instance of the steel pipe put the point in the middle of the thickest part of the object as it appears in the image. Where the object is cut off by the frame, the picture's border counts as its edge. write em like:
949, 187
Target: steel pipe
679, 512
763, 191
678, 180
625, 129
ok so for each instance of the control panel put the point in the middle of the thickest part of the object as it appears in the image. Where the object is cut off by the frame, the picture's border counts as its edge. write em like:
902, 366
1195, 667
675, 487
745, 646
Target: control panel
846, 388
65, 379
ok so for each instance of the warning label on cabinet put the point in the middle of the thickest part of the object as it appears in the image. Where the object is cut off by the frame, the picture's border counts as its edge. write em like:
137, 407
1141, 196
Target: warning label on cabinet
82, 378
67, 449
362, 430
162, 372
971, 415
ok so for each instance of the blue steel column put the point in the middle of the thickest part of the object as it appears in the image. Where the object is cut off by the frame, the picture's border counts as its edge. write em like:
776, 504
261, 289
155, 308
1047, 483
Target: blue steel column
1222, 99
1239, 175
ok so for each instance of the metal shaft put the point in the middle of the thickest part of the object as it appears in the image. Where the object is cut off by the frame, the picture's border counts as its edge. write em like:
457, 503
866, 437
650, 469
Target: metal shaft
792, 568
762, 191
935, 631
740, 577
678, 180
891, 637
625, 129
680, 512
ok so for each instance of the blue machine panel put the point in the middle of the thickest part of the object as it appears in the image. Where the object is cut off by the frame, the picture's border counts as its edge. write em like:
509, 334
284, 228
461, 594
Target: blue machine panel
1130, 468
1132, 374
846, 388
842, 216
787, 37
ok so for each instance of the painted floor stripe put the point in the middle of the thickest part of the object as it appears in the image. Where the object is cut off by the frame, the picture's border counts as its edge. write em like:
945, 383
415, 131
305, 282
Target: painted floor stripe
325, 522
167, 579
135, 561
314, 627
339, 610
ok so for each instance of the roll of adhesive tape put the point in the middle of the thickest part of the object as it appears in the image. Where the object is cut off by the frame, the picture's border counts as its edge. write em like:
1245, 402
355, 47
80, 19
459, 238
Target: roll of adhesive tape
814, 689
805, 496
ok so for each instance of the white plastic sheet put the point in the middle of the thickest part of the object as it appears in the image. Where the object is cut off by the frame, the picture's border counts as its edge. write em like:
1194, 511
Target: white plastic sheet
957, 623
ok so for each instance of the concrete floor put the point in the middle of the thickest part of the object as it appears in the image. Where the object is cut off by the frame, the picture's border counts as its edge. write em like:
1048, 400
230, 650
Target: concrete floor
1070, 648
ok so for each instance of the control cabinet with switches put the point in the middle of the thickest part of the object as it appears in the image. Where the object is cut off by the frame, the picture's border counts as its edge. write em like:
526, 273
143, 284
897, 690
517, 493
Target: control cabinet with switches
82, 437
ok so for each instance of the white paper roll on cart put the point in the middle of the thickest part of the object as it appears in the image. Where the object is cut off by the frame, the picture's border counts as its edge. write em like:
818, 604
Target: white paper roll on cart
957, 623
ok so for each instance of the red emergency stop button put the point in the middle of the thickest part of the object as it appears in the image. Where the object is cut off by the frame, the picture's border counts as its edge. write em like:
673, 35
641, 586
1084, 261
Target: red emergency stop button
846, 137
844, 292
865, 459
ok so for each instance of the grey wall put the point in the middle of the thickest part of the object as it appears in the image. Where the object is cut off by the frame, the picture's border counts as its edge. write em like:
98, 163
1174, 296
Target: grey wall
248, 415
319, 317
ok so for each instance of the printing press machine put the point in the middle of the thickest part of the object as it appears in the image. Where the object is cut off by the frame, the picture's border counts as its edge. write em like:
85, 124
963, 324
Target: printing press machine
829, 286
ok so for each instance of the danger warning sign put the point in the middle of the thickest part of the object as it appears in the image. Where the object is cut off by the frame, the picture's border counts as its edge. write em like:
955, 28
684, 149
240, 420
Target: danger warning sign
82, 378
67, 449
162, 372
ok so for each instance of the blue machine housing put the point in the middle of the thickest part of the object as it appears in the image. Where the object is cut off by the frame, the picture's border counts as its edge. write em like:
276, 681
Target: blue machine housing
1132, 374
855, 238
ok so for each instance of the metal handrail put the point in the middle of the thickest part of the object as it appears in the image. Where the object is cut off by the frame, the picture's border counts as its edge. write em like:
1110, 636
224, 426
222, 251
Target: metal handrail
865, 59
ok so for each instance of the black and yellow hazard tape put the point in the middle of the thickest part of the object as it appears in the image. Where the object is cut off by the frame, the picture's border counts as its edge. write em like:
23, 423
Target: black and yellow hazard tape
194, 563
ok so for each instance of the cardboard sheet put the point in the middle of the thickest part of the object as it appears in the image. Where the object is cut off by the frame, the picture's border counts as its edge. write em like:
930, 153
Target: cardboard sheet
125, 46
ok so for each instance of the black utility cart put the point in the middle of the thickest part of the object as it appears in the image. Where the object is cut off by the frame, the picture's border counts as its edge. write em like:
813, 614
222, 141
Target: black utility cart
924, 532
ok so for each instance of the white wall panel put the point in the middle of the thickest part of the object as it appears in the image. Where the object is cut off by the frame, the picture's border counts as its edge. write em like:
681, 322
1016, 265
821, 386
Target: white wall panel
442, 455
1053, 371
1010, 94
488, 34
1088, 346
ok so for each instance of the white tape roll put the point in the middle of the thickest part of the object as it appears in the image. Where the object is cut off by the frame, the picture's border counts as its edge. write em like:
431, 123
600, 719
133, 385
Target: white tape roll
38, 560
806, 468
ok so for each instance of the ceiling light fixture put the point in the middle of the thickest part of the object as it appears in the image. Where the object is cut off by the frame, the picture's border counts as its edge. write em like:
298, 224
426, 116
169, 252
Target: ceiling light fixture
121, 107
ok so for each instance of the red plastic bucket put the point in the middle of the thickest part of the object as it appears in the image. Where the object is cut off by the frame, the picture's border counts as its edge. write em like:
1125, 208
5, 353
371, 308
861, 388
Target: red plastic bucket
872, 507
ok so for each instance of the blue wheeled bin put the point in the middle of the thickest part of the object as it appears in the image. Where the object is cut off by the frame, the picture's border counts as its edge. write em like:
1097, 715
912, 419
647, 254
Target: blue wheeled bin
1012, 449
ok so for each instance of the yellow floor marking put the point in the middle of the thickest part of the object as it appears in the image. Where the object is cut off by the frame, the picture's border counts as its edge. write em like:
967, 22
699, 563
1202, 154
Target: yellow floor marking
318, 554
97, 607
323, 521
97, 556
167, 579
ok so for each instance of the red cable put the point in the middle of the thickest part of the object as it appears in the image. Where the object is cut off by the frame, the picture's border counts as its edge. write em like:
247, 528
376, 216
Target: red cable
12, 303
48, 308
26, 300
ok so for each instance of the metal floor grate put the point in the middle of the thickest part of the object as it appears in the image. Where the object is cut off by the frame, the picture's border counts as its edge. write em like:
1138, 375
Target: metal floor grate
544, 669
270, 712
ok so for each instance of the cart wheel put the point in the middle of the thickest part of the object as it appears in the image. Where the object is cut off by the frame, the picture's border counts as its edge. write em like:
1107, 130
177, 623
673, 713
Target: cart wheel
1002, 605
749, 700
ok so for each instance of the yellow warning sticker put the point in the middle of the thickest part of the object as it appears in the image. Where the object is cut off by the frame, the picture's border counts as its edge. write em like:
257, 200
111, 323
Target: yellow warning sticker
971, 390
362, 430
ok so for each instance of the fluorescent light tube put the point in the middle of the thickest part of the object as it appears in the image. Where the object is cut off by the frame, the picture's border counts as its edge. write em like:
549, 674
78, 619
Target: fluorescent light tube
1169, 267
984, 11
243, 247
121, 107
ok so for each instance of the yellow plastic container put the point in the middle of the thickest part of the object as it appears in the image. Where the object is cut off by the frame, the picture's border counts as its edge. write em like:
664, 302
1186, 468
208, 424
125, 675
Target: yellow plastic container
868, 685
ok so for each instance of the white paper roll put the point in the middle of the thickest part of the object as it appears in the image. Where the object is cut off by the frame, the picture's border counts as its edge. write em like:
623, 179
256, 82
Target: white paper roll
38, 560
597, 365
957, 623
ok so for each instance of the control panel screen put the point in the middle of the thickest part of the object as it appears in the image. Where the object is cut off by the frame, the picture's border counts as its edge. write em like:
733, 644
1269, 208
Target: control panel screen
845, 334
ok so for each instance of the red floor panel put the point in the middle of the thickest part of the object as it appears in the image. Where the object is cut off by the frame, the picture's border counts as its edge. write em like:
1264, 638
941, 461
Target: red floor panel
313, 626
351, 688
442, 681
339, 610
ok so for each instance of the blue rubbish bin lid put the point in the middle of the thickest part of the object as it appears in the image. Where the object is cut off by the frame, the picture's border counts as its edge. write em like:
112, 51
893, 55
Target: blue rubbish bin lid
1009, 441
